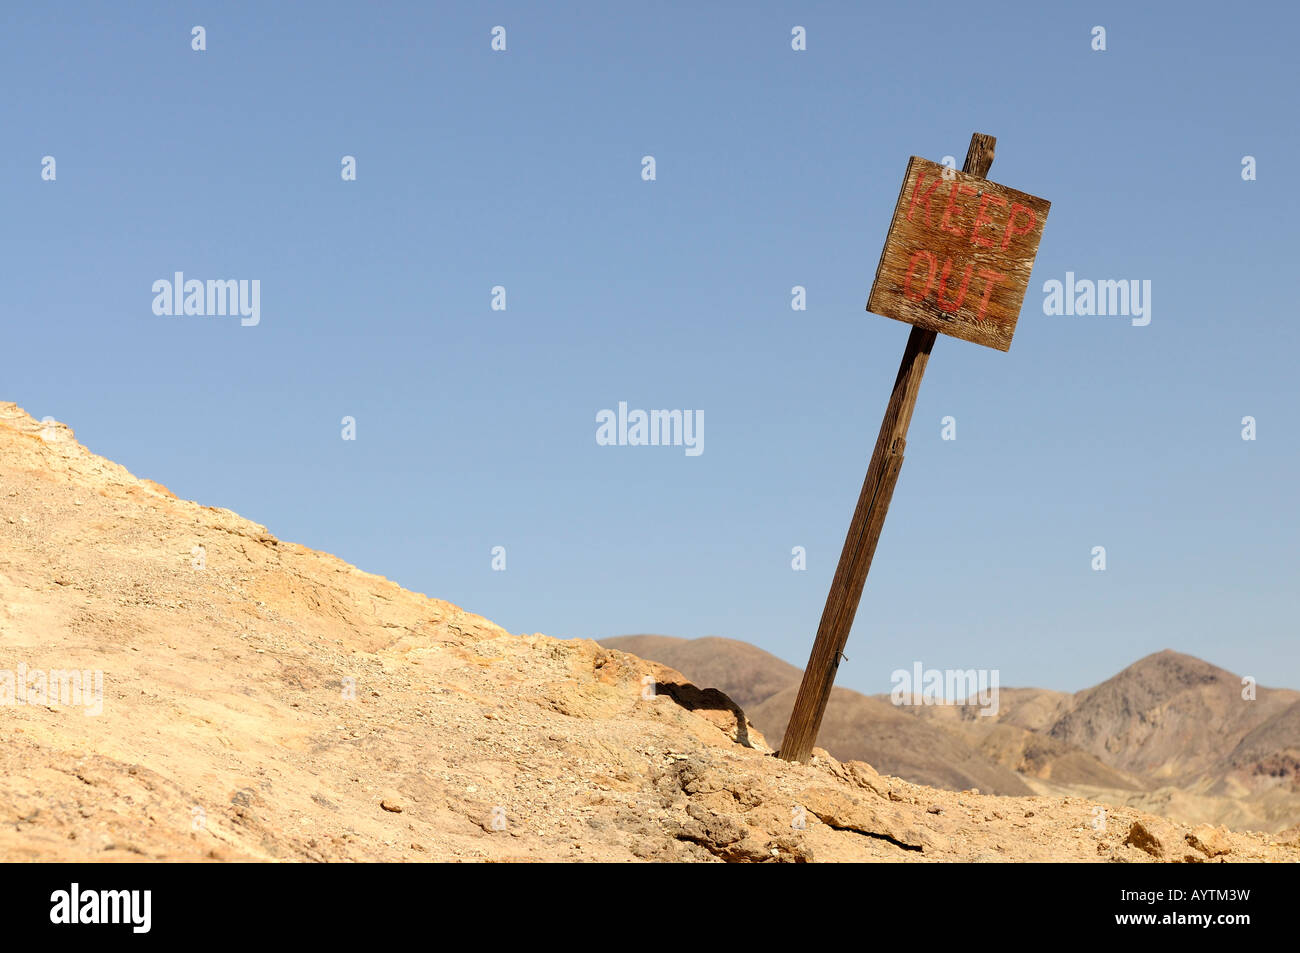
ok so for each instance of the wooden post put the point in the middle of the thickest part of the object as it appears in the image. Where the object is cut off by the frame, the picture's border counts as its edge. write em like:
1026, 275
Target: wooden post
868, 520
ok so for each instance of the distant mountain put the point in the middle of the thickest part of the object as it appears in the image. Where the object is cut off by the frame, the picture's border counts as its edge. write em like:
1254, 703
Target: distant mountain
1029, 753
1272, 749
1173, 717
1170, 733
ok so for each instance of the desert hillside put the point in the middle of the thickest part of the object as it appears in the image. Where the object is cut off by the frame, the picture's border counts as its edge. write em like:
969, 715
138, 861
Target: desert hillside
241, 697
1170, 733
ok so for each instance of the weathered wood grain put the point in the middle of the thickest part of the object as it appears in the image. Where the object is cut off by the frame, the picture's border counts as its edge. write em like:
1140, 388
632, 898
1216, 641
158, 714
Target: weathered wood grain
958, 254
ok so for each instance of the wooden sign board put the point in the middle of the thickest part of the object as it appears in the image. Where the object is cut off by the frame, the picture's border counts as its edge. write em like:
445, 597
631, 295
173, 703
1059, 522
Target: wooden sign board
958, 254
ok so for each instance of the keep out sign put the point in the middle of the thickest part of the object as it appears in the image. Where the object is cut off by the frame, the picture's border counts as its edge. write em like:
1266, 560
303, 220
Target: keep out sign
958, 255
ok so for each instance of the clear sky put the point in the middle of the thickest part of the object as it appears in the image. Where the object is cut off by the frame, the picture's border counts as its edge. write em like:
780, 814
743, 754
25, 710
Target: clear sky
476, 428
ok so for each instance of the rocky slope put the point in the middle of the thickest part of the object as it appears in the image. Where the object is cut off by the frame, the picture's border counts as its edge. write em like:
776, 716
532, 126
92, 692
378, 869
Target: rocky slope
1170, 734
248, 698
941, 746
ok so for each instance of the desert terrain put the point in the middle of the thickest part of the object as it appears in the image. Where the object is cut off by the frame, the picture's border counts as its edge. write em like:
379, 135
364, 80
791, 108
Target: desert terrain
259, 700
1171, 734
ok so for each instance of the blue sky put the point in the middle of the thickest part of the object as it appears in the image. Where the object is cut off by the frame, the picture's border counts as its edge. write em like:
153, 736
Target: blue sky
775, 168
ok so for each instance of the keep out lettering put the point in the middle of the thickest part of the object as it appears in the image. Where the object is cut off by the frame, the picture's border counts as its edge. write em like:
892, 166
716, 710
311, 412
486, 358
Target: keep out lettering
959, 253
981, 217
